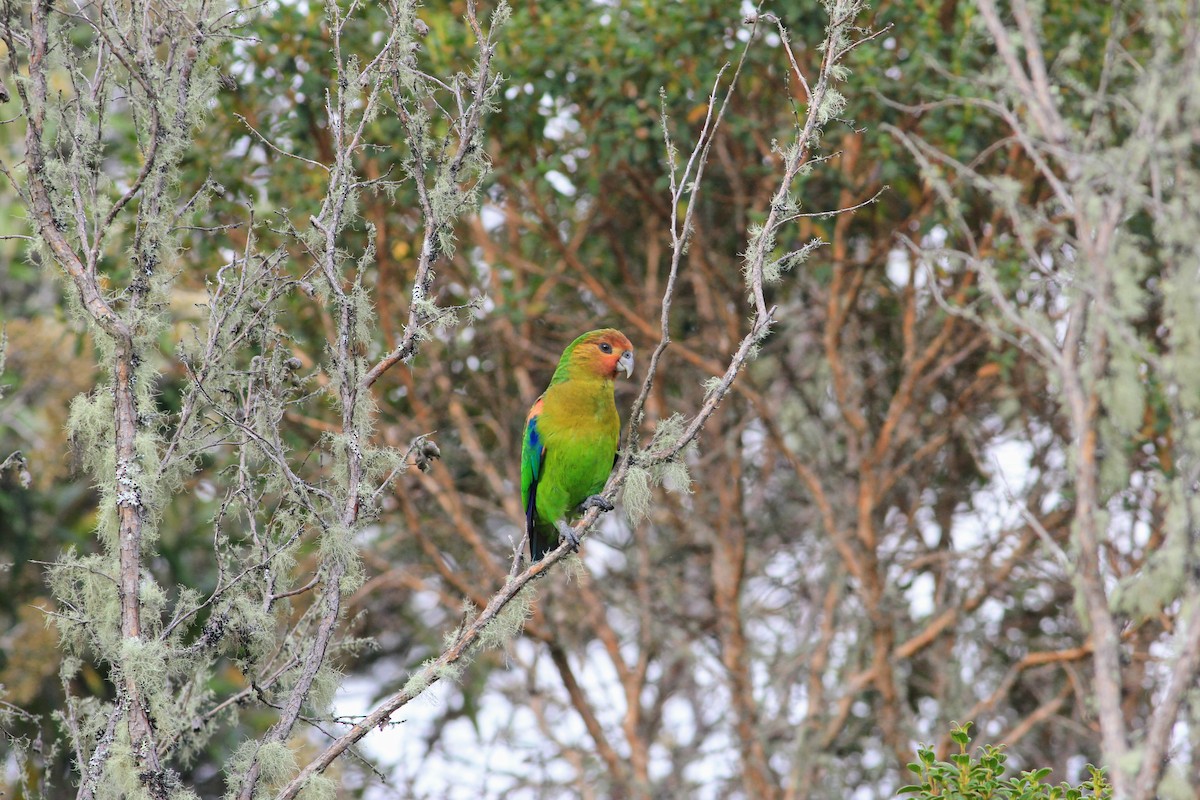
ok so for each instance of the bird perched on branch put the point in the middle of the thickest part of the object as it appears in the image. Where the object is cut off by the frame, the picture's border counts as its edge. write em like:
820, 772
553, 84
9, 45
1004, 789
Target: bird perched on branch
570, 441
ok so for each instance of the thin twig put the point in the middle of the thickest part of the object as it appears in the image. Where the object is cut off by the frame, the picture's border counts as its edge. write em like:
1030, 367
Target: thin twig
279, 149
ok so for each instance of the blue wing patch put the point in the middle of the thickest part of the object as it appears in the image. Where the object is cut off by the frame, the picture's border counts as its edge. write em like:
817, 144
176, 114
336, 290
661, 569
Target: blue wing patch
535, 446
534, 454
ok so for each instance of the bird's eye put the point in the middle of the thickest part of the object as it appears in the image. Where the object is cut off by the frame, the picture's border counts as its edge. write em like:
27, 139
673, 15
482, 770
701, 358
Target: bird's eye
605, 347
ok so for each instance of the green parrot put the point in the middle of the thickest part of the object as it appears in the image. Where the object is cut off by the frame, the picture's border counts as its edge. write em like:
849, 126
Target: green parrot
570, 441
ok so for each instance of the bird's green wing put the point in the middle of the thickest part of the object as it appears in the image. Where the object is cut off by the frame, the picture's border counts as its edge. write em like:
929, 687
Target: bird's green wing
533, 458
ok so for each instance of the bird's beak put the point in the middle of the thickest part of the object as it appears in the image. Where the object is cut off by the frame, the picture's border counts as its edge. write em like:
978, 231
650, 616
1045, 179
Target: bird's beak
626, 363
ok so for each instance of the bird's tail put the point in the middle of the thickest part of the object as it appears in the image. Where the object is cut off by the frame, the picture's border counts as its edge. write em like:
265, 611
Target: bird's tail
541, 541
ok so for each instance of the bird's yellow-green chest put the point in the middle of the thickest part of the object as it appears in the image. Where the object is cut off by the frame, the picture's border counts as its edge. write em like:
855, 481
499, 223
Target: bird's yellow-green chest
581, 412
580, 428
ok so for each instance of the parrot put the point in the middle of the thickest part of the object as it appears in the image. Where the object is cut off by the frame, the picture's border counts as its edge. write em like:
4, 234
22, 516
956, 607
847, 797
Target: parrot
569, 444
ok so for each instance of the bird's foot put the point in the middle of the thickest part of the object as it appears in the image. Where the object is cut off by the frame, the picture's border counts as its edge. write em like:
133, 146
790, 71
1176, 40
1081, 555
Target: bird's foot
596, 501
568, 533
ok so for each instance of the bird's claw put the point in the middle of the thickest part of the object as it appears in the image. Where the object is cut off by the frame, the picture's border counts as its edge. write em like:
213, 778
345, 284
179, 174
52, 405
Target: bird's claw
568, 533
596, 501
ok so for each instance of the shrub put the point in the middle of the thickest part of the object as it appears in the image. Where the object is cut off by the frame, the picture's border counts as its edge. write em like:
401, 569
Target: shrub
981, 777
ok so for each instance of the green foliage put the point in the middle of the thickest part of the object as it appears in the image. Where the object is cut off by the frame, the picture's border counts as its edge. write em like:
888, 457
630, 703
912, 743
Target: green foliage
278, 763
90, 425
636, 495
981, 777
651, 468
324, 690
420, 680
319, 787
1160, 582
87, 582
450, 671
509, 623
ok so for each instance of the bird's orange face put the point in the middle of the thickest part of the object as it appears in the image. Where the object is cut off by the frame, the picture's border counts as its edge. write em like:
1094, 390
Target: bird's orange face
604, 352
